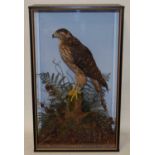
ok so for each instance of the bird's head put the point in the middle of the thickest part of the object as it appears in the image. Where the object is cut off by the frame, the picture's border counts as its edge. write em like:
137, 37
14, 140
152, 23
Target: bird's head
62, 34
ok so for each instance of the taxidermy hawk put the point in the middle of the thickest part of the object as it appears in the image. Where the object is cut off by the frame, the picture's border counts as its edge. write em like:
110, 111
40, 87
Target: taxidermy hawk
80, 60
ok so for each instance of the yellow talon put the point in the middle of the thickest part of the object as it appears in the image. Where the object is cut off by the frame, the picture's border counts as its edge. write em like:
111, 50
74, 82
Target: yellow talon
73, 93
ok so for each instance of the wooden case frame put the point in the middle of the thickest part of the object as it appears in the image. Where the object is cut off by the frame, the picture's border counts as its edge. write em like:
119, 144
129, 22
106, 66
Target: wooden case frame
72, 8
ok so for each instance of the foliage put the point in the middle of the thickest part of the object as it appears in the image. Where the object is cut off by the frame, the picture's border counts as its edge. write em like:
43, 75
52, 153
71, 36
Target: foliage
62, 121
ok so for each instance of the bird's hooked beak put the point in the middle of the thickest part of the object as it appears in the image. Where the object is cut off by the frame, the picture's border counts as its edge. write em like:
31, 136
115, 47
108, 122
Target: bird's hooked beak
54, 35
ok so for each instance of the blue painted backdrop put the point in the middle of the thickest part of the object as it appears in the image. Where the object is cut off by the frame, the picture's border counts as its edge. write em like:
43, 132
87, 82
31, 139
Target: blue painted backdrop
98, 31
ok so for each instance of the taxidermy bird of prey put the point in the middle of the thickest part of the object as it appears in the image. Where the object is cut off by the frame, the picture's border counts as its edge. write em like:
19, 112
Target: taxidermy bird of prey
80, 60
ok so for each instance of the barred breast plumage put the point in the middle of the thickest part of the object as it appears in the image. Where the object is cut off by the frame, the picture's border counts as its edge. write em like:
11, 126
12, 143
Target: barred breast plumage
67, 57
65, 54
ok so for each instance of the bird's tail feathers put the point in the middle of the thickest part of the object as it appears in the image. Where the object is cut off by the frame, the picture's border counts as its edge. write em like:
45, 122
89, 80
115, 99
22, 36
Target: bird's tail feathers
104, 83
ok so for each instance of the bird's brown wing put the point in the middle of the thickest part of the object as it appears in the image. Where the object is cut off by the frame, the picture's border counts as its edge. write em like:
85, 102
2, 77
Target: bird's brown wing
84, 60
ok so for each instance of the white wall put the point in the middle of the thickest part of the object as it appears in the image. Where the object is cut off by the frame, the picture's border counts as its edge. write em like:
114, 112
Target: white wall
125, 107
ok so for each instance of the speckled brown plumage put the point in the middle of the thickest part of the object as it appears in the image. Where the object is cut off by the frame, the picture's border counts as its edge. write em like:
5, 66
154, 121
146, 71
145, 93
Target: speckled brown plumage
79, 59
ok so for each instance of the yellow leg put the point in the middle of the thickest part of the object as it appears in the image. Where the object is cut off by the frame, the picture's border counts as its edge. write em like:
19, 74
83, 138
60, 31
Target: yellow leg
74, 92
